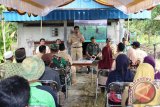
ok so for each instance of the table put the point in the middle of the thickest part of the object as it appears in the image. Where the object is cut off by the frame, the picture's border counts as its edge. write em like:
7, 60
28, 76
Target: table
86, 63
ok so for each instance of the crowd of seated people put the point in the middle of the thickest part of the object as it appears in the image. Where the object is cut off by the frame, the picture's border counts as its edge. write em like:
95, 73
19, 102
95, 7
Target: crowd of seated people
35, 69
42, 67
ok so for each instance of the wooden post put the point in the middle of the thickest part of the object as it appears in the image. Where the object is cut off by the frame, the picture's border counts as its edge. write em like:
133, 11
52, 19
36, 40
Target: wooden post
65, 33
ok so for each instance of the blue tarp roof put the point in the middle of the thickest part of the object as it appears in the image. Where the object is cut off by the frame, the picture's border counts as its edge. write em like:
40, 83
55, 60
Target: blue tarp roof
69, 15
97, 14
79, 10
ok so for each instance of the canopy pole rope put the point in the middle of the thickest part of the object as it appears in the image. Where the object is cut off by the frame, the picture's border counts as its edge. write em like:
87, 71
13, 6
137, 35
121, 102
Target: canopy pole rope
41, 29
3, 33
128, 27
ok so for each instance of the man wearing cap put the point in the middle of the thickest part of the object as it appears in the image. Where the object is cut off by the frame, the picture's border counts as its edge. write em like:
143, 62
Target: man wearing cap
8, 56
92, 51
7, 65
107, 60
20, 55
42, 42
76, 40
62, 53
57, 61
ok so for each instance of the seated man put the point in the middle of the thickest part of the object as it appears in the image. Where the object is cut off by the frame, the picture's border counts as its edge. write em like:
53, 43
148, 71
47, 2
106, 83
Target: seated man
42, 42
92, 51
49, 73
42, 51
14, 92
68, 58
120, 50
32, 70
58, 62
20, 55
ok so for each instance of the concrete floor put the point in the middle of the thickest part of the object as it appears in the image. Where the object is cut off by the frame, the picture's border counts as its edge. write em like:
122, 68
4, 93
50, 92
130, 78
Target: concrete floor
83, 93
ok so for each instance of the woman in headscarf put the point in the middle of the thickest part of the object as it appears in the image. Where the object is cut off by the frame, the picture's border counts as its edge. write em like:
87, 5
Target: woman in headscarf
143, 89
121, 73
150, 60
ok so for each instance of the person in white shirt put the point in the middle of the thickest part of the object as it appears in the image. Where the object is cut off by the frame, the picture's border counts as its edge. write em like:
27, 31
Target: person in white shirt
140, 54
42, 42
135, 54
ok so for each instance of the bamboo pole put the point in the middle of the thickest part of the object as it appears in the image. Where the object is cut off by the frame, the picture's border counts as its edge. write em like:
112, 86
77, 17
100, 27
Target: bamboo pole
41, 29
3, 33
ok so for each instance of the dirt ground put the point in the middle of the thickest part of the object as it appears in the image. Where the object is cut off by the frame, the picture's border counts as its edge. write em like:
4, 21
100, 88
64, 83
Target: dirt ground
83, 93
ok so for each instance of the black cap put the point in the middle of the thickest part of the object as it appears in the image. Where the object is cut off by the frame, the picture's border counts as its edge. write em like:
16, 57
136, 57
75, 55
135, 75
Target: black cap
92, 38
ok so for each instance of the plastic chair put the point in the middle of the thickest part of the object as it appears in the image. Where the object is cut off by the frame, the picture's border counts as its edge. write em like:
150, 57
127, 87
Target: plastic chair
104, 74
50, 83
114, 93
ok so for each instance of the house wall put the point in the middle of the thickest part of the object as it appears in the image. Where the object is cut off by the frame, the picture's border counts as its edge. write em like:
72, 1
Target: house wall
27, 35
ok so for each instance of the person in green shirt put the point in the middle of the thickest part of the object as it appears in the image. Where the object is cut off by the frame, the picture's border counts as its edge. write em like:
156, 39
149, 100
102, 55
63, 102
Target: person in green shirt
92, 51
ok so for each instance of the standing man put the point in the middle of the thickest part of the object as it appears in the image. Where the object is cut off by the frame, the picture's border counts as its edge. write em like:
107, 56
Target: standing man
76, 40
42, 42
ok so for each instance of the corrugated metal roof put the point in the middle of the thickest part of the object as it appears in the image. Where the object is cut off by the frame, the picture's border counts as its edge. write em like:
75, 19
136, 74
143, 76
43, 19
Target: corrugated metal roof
79, 10
93, 14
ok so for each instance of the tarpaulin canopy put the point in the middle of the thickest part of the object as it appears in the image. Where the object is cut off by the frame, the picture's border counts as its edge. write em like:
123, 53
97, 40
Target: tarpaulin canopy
130, 6
37, 7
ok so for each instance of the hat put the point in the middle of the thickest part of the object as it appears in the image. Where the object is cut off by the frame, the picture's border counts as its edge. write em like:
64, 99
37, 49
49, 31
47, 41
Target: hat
33, 68
92, 38
20, 53
54, 46
8, 54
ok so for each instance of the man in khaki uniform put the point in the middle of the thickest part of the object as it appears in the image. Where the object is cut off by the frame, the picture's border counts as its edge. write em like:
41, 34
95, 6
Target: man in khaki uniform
62, 53
76, 40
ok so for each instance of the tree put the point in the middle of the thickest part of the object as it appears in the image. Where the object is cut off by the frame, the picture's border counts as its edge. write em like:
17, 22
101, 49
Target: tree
10, 34
150, 27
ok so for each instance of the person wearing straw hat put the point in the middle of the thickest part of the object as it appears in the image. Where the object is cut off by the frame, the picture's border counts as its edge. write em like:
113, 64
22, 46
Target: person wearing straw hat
32, 70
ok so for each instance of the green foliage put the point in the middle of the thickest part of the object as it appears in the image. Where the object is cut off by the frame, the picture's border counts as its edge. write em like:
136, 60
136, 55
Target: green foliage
148, 29
10, 34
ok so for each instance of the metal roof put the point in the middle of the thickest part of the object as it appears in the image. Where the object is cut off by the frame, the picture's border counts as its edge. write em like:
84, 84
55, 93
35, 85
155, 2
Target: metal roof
93, 14
78, 10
